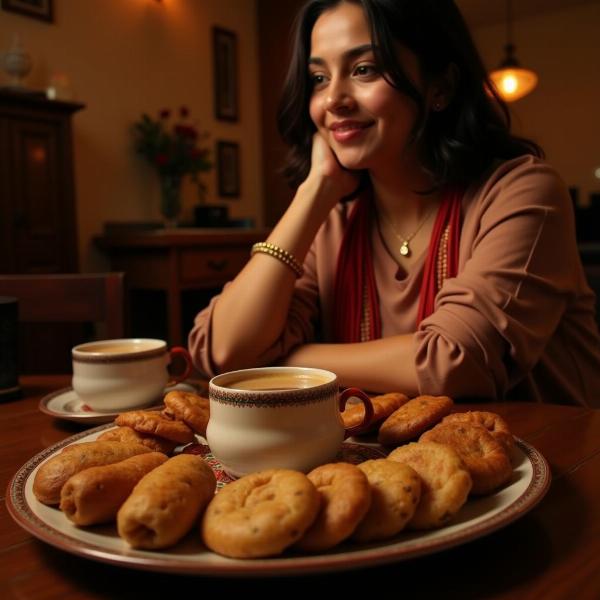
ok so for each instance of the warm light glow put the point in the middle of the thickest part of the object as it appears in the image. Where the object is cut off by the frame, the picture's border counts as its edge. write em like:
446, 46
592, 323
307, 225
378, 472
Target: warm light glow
597, 173
513, 83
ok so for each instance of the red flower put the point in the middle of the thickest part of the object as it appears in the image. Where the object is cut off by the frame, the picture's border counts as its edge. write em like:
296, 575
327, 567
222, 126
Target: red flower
165, 113
161, 160
184, 111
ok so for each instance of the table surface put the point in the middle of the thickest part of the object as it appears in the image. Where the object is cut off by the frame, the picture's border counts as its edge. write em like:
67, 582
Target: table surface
551, 552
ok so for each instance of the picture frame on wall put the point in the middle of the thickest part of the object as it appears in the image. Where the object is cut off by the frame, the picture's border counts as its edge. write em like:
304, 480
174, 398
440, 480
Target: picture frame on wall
228, 169
36, 9
225, 74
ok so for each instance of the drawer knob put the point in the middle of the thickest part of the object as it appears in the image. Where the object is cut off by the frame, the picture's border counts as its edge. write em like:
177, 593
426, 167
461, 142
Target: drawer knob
217, 265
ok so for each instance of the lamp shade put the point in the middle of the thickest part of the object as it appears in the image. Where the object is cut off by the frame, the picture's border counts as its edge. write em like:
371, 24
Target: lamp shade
513, 83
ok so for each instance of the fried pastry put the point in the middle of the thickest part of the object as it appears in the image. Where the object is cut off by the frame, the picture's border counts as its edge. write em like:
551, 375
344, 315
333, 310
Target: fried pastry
345, 499
413, 418
95, 495
166, 502
53, 474
154, 423
445, 482
483, 456
190, 408
493, 422
260, 514
395, 493
127, 434
383, 407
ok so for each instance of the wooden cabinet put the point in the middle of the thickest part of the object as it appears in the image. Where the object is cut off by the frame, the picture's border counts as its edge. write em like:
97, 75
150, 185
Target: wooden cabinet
37, 199
176, 261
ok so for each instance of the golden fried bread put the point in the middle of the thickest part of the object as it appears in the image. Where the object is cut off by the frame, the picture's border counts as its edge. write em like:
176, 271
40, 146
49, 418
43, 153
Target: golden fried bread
445, 482
493, 422
166, 502
395, 493
95, 495
53, 474
127, 434
383, 407
192, 409
413, 418
260, 514
345, 499
154, 423
484, 457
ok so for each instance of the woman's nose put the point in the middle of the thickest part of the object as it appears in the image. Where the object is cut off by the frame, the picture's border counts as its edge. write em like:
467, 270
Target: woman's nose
338, 97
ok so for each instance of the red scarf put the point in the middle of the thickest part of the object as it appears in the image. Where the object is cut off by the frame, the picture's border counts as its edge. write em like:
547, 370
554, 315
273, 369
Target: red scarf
356, 317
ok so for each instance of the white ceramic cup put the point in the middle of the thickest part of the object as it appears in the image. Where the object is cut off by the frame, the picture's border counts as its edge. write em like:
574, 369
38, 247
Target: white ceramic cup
123, 374
278, 417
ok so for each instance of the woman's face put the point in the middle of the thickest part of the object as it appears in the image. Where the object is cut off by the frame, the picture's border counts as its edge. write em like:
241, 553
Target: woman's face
364, 119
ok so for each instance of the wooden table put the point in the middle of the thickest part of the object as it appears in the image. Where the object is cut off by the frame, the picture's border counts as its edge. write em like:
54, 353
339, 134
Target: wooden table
176, 260
551, 552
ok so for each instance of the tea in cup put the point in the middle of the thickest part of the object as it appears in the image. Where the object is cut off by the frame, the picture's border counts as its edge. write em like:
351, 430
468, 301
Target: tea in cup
124, 374
278, 417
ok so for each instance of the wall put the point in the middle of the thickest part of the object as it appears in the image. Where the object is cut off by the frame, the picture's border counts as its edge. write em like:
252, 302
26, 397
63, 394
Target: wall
561, 114
123, 58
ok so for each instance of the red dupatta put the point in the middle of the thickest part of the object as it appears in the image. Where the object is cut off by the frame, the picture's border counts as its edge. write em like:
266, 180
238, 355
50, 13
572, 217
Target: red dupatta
356, 315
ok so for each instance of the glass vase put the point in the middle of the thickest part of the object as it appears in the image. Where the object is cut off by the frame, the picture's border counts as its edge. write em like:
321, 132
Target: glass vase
170, 199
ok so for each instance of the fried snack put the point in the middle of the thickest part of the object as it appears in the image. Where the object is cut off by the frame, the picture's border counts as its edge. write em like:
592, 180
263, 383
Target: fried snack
345, 499
412, 419
484, 457
395, 493
260, 514
152, 422
95, 495
166, 502
192, 409
494, 423
53, 474
383, 407
126, 434
445, 483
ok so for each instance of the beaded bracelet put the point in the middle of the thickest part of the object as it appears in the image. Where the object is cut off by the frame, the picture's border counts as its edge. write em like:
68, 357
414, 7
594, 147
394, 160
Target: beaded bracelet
280, 254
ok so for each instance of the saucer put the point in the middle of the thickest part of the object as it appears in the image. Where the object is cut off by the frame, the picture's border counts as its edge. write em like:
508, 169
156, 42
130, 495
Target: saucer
65, 404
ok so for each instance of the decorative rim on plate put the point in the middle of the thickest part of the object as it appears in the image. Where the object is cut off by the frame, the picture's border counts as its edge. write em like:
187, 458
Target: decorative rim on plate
343, 557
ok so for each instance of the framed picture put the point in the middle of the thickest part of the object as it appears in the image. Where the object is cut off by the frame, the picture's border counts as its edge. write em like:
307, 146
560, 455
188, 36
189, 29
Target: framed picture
226, 74
37, 9
228, 169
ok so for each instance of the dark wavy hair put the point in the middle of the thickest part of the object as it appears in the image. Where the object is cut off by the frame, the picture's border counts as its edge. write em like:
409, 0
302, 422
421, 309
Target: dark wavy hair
456, 144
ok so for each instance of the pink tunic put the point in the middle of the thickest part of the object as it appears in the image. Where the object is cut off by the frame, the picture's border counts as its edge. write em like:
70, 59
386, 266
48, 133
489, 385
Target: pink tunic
518, 320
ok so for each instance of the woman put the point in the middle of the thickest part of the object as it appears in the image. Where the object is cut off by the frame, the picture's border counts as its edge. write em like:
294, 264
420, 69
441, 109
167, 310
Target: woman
435, 253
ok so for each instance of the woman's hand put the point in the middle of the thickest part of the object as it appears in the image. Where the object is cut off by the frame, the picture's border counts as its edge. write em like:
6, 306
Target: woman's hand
332, 180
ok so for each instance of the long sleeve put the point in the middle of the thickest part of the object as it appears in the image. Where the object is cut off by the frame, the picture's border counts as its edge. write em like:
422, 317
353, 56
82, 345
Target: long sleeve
519, 274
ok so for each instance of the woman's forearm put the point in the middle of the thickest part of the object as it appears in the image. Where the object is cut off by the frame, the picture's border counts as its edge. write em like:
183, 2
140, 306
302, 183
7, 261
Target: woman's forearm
382, 365
252, 311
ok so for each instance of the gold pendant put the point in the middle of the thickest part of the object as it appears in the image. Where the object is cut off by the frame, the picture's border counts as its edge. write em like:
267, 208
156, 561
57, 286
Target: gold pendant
404, 249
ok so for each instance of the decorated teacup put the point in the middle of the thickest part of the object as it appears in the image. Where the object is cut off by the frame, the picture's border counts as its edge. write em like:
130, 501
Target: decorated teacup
278, 417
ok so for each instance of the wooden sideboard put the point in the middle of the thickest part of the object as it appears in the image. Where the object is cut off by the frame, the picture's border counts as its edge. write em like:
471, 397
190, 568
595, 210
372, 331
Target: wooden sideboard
176, 260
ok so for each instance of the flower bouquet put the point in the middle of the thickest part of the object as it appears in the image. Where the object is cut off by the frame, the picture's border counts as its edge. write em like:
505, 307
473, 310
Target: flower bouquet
174, 150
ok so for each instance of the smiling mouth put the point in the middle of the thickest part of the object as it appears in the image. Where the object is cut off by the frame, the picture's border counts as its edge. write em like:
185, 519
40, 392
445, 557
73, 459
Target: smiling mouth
349, 132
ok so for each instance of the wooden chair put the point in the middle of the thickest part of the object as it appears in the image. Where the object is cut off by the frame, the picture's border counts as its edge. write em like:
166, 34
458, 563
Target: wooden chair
49, 307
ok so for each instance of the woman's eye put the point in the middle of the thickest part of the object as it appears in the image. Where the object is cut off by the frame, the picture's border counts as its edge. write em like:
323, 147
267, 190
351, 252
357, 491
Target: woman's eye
317, 79
365, 70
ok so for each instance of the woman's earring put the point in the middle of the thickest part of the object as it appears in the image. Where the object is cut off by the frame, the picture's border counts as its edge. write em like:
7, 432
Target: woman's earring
437, 106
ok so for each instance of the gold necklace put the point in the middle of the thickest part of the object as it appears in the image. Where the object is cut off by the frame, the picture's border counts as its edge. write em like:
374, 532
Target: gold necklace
404, 247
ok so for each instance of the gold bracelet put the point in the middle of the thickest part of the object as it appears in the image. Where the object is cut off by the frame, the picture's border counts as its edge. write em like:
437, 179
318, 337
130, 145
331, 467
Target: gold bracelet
280, 254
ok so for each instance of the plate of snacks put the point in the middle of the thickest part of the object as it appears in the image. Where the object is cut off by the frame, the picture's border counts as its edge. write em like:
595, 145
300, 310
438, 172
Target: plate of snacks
145, 492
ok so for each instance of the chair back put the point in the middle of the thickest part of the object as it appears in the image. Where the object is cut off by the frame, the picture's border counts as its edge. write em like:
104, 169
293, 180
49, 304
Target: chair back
47, 302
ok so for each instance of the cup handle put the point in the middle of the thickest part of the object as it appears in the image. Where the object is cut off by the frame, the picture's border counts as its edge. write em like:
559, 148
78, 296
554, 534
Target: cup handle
179, 351
355, 392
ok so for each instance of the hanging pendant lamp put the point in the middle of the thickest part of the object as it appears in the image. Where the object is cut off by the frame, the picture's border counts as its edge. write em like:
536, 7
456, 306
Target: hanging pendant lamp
511, 80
